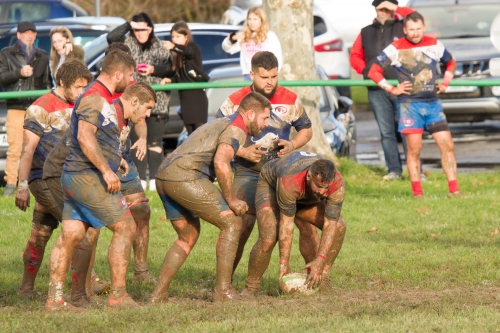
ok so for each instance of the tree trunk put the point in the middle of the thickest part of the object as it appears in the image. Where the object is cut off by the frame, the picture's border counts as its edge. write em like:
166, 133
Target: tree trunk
292, 21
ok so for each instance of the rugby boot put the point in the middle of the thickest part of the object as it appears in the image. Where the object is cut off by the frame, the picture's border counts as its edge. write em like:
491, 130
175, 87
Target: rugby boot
123, 302
145, 277
228, 295
158, 299
456, 194
61, 305
325, 286
418, 197
251, 289
28, 294
99, 287
87, 302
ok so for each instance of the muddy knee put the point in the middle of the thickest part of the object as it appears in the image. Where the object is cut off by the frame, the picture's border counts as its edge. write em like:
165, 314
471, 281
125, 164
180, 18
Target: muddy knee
42, 226
141, 213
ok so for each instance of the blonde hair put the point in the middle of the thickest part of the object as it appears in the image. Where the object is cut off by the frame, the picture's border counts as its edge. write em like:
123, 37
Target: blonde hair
260, 35
54, 56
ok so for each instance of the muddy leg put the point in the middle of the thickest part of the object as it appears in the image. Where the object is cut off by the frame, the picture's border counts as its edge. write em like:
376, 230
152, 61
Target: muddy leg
248, 222
188, 233
82, 266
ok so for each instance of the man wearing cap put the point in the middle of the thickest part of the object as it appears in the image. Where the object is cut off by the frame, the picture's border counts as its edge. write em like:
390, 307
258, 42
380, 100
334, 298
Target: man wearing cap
22, 67
373, 39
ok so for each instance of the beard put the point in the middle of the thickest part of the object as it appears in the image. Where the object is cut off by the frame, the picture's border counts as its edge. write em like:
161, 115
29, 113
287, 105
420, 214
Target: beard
121, 86
68, 96
263, 92
254, 129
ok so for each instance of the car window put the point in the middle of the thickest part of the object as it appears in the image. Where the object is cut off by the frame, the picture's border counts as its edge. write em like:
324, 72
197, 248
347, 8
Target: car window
28, 11
323, 100
319, 26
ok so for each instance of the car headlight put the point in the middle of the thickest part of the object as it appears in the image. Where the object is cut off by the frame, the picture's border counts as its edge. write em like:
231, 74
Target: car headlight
330, 137
495, 91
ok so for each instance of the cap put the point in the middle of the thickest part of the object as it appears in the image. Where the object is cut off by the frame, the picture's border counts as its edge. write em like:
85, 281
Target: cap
25, 26
375, 3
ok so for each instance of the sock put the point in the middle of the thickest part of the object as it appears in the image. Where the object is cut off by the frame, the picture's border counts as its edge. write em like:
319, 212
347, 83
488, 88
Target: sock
453, 186
417, 188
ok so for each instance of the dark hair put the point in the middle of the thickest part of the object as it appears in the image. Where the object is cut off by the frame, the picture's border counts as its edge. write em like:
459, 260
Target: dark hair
182, 28
415, 17
142, 91
323, 170
264, 59
117, 46
144, 17
254, 101
117, 60
72, 70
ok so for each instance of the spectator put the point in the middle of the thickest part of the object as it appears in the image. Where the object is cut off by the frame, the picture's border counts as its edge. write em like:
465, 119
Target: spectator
373, 39
62, 48
255, 37
153, 63
22, 67
187, 67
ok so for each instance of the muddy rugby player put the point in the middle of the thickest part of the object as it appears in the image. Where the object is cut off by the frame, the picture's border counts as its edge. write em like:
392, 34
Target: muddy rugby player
305, 189
416, 59
91, 186
274, 141
184, 183
46, 121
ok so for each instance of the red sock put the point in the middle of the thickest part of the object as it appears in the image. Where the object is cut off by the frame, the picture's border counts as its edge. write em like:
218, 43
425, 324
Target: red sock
417, 188
453, 186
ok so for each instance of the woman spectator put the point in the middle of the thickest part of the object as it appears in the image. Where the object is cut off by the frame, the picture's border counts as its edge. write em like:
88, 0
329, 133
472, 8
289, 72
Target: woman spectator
255, 37
62, 48
187, 67
153, 63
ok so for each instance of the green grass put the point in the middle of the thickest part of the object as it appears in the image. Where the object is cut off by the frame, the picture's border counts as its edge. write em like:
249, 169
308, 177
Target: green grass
359, 95
430, 266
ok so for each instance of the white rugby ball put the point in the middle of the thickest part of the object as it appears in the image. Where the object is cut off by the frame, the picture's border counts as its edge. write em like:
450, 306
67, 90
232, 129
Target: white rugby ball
294, 283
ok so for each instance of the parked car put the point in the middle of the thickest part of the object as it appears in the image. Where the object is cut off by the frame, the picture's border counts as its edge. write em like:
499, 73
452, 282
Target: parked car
464, 28
330, 50
208, 36
337, 119
15, 11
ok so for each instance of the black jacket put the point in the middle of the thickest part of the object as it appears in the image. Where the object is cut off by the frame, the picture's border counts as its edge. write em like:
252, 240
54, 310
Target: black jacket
11, 62
374, 39
192, 67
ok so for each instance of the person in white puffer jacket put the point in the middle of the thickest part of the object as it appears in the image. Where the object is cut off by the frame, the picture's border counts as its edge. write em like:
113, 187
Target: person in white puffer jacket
255, 37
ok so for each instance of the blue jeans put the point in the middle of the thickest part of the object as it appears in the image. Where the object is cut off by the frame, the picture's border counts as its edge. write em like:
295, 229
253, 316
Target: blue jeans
385, 109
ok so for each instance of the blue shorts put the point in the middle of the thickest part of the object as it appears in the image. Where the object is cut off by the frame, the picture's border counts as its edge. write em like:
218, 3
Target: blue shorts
131, 183
86, 198
190, 200
415, 117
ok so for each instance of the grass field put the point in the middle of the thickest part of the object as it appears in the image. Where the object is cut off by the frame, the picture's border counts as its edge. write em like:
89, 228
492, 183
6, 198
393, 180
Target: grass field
406, 266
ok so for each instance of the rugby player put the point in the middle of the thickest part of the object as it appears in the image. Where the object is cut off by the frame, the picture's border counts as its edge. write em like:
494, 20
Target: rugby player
305, 189
273, 142
415, 59
184, 183
46, 121
91, 186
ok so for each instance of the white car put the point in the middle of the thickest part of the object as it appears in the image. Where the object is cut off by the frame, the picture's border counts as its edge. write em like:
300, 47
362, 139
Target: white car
331, 51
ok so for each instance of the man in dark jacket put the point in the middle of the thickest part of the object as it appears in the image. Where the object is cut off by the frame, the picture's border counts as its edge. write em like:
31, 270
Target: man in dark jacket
373, 39
22, 67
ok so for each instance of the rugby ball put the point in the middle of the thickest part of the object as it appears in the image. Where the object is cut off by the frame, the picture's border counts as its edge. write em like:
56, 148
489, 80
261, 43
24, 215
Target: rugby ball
295, 283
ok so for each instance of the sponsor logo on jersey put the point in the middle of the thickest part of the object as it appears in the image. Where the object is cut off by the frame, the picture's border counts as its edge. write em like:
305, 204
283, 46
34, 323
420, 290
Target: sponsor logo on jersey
407, 122
281, 109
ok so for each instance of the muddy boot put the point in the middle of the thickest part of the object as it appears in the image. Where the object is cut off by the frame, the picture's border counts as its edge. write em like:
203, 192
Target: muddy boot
86, 302
100, 287
159, 299
229, 295
60, 305
144, 278
251, 289
28, 294
119, 299
325, 286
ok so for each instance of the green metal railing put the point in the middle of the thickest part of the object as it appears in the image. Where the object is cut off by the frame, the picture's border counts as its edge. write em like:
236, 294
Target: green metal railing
239, 84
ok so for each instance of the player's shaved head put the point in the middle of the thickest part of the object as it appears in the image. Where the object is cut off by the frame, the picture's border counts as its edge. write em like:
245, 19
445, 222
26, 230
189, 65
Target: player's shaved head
117, 60
323, 170
254, 101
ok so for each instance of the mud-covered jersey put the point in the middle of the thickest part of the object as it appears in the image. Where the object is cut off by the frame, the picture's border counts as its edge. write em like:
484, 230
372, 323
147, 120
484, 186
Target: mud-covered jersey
287, 112
194, 158
48, 117
124, 127
416, 63
288, 176
96, 107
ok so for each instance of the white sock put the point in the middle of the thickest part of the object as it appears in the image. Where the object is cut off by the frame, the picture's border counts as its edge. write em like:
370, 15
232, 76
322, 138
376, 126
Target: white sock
152, 185
144, 184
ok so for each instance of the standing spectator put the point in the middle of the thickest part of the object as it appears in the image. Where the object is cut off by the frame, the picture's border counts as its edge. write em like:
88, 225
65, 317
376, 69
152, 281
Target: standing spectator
373, 39
187, 67
255, 37
153, 64
62, 48
22, 67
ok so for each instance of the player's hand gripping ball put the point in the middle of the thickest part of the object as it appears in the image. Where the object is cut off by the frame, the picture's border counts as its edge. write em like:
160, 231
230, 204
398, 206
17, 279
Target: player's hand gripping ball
294, 283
